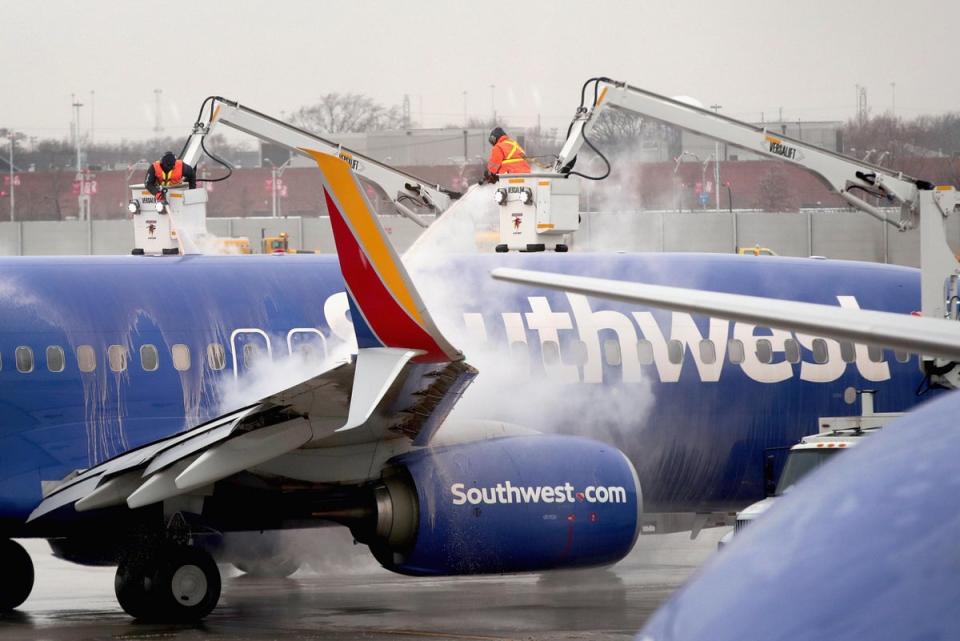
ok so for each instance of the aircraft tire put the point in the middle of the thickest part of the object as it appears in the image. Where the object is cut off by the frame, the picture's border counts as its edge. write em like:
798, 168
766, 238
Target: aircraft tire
17, 573
172, 584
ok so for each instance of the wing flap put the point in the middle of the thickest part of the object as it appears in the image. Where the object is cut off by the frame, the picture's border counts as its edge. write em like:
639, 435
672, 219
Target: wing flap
160, 486
109, 493
243, 452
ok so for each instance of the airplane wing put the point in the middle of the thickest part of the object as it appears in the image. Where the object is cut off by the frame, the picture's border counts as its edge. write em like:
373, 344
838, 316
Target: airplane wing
898, 331
405, 379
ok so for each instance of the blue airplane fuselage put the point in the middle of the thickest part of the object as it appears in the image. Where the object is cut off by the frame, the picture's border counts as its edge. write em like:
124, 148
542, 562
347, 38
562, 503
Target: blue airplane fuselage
101, 355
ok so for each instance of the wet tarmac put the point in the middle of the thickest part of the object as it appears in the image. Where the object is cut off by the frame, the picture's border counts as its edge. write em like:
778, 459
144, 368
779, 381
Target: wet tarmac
350, 597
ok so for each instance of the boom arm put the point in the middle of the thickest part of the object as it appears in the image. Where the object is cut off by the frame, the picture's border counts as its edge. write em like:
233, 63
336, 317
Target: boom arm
918, 200
842, 173
402, 188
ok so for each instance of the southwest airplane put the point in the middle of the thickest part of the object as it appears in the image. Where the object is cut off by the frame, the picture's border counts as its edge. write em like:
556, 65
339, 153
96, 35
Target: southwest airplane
149, 405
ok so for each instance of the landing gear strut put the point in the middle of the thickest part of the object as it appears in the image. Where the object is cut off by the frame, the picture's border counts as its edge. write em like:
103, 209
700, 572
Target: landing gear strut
168, 583
16, 576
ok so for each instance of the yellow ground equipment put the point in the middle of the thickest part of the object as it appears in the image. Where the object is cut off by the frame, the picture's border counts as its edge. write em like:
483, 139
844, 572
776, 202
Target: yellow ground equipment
756, 250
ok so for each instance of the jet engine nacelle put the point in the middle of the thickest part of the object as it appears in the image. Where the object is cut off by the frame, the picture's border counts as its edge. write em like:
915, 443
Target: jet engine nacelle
514, 504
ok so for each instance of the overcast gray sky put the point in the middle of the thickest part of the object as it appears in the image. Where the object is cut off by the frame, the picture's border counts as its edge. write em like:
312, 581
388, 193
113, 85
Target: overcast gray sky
750, 56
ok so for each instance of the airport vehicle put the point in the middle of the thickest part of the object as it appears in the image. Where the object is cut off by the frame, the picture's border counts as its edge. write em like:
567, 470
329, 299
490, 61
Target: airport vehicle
837, 434
275, 244
280, 244
756, 250
804, 457
238, 245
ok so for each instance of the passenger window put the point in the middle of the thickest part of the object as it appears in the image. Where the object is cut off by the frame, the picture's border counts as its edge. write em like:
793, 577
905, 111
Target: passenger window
86, 358
519, 355
708, 352
551, 353
576, 353
675, 352
902, 357
645, 352
764, 350
611, 352
215, 356
24, 357
55, 358
735, 350
875, 354
251, 355
149, 358
117, 357
791, 349
181, 357
820, 352
848, 352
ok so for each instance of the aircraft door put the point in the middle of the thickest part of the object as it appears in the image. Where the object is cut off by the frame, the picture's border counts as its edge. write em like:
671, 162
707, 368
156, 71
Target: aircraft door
251, 347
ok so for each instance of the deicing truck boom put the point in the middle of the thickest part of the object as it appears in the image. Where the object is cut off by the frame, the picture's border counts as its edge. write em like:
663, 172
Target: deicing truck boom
403, 189
921, 203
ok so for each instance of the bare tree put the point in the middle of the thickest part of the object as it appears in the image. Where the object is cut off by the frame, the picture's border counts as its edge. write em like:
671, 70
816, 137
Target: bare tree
775, 193
542, 144
617, 130
347, 112
898, 141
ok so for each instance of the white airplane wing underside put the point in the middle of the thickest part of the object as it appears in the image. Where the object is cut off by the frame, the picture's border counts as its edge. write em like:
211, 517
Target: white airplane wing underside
930, 336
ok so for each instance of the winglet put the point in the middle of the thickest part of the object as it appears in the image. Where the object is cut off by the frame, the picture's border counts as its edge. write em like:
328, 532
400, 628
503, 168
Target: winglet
386, 308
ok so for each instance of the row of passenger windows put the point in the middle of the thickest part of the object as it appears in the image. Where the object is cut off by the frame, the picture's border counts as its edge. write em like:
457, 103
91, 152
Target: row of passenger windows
736, 353
118, 357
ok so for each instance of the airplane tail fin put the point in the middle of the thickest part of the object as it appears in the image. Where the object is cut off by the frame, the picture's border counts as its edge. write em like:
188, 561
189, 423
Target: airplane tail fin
386, 308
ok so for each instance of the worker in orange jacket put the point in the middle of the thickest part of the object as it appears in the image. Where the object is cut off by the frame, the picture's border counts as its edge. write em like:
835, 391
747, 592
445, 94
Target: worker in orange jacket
169, 172
506, 157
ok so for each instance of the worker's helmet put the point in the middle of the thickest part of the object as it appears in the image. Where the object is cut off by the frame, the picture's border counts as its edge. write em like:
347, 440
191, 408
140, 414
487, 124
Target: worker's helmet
168, 161
495, 135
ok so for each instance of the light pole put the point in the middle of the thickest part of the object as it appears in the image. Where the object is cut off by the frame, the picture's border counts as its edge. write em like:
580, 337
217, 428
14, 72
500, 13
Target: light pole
276, 173
703, 167
13, 183
11, 137
493, 104
273, 188
142, 163
716, 161
83, 199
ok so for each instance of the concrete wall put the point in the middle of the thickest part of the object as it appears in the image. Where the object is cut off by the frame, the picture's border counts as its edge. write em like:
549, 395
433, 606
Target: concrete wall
835, 234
